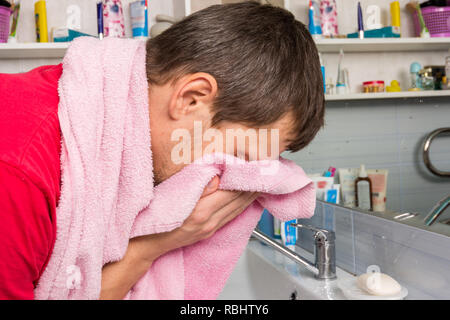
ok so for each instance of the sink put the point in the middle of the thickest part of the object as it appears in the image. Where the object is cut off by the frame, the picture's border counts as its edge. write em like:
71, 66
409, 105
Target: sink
263, 273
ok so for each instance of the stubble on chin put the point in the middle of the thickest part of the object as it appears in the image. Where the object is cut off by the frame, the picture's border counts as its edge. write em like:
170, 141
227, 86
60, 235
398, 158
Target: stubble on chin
161, 174
156, 178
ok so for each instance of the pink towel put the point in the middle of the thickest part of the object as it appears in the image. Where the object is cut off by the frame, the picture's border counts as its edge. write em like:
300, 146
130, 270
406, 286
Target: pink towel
108, 197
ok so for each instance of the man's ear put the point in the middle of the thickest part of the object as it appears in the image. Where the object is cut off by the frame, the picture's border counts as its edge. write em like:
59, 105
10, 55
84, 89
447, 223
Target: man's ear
192, 93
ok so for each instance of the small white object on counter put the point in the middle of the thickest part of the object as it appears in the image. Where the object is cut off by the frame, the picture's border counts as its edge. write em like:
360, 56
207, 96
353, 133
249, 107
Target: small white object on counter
380, 287
378, 284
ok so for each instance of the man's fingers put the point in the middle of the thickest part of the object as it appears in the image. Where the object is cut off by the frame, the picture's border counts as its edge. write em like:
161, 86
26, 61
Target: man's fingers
234, 209
233, 215
217, 201
212, 187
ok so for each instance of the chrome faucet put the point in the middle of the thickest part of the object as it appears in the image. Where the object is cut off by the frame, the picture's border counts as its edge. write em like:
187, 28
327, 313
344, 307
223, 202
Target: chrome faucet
324, 266
437, 210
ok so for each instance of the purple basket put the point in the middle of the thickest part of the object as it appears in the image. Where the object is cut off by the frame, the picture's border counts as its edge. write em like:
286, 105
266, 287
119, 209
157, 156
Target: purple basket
4, 23
437, 20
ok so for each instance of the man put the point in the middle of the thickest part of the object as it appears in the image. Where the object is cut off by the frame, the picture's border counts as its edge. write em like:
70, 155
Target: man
235, 66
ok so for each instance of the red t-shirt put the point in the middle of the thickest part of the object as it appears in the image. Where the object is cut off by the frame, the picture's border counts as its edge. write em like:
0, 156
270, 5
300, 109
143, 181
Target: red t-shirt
29, 177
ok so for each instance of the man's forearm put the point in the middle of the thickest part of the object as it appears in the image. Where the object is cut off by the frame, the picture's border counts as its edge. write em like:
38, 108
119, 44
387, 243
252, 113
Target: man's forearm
213, 211
119, 277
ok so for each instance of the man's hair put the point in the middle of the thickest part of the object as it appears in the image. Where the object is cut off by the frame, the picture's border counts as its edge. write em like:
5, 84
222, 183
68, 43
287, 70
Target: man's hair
265, 63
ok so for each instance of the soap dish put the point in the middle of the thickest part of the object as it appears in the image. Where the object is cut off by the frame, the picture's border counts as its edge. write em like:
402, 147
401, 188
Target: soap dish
352, 292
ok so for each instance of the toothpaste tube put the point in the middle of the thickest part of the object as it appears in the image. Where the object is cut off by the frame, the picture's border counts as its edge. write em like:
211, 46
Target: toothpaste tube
332, 195
139, 19
314, 26
289, 234
328, 15
100, 20
113, 21
321, 184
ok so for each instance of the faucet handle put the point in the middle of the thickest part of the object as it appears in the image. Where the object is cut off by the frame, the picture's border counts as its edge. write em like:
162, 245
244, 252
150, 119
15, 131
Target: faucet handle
326, 235
324, 251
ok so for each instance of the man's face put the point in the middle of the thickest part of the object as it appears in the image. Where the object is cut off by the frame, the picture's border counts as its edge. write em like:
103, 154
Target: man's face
181, 130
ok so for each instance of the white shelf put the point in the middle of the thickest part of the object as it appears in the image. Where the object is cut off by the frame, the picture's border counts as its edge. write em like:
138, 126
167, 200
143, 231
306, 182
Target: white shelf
57, 50
388, 95
382, 44
33, 50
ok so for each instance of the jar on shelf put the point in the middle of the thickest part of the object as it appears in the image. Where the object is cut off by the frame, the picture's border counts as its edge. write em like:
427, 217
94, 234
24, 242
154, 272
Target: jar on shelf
373, 86
427, 79
437, 72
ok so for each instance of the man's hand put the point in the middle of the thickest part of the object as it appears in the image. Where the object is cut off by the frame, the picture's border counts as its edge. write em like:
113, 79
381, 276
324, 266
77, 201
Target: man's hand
214, 210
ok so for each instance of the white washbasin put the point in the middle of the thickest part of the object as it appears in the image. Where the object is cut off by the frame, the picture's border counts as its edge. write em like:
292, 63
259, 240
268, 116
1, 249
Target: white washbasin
262, 273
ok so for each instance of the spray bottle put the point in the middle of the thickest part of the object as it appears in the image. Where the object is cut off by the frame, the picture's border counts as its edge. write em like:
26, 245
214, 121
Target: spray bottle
40, 13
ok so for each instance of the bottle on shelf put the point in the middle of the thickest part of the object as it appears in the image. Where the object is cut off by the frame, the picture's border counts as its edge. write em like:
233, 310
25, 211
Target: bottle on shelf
363, 190
40, 13
416, 84
446, 85
427, 79
342, 81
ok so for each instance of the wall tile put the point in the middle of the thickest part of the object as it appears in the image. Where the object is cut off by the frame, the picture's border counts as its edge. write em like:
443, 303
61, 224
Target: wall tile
345, 246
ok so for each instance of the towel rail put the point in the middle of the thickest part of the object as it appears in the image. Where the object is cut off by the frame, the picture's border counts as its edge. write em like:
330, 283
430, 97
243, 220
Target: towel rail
426, 152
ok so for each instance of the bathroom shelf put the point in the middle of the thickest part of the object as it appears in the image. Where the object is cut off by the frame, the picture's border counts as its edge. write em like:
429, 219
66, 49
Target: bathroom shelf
387, 95
32, 50
57, 50
382, 45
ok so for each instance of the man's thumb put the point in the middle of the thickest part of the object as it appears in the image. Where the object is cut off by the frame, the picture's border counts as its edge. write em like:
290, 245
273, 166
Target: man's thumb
212, 186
